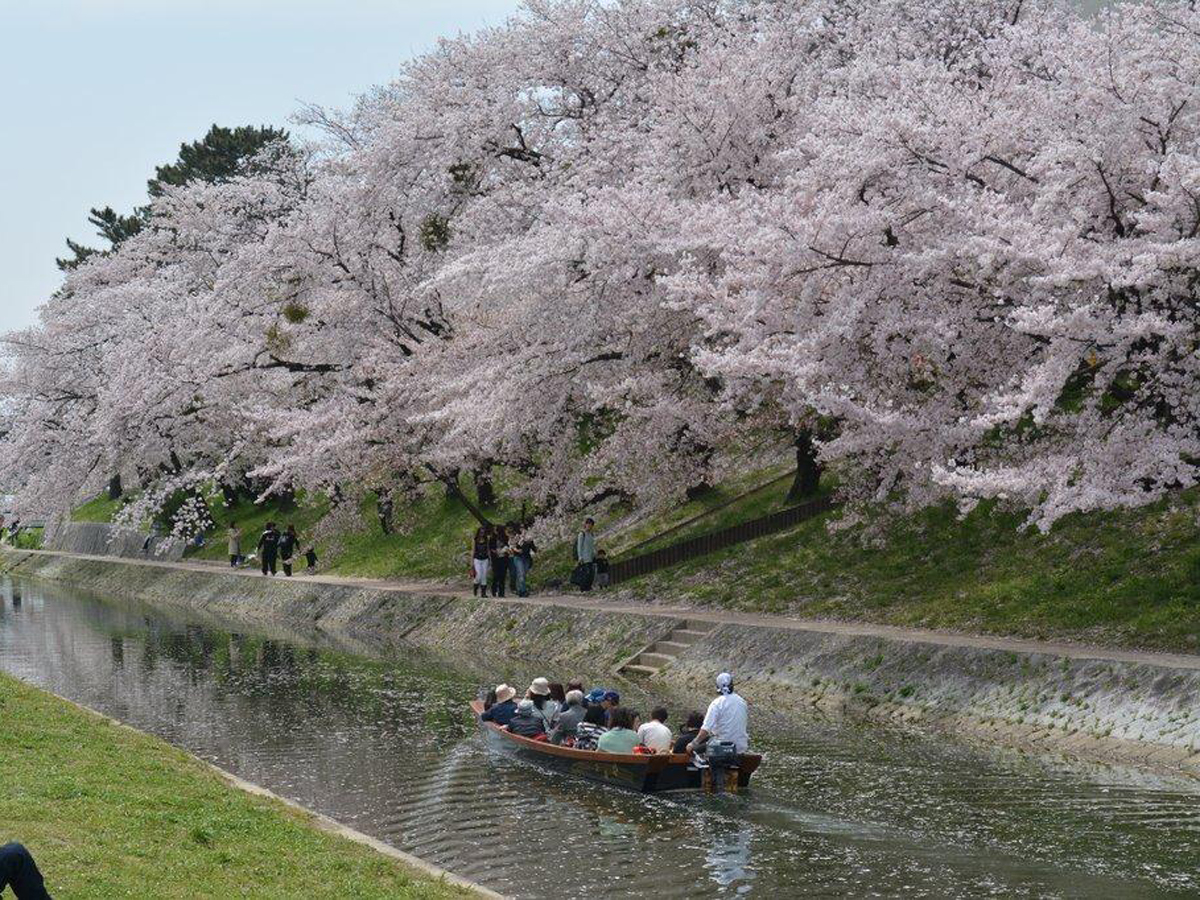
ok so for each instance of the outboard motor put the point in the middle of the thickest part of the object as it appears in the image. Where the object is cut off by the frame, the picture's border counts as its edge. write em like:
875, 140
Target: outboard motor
723, 764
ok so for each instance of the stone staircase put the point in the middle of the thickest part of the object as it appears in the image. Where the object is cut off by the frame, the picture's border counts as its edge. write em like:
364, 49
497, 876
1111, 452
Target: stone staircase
651, 659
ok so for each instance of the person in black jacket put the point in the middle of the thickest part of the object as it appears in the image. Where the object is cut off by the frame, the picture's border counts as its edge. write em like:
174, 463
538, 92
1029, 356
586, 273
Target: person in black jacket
691, 728
268, 548
20, 872
527, 722
288, 541
499, 552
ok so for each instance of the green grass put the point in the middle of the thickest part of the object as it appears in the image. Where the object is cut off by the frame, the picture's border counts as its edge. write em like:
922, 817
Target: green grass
101, 509
1130, 578
29, 539
252, 518
108, 812
618, 530
430, 539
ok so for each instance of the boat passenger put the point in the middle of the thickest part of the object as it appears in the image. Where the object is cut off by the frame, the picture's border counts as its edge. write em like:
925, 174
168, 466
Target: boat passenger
504, 708
621, 736
569, 718
527, 721
655, 734
691, 728
558, 694
726, 719
597, 713
547, 708
612, 700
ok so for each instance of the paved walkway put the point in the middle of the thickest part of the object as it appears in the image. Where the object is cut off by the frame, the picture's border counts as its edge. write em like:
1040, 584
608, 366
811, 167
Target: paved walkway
600, 602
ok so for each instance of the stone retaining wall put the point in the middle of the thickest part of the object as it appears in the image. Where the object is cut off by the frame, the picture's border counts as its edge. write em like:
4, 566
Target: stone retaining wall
1140, 713
100, 539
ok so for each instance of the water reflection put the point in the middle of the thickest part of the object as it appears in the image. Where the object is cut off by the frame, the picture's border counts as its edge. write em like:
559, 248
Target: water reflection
385, 745
728, 859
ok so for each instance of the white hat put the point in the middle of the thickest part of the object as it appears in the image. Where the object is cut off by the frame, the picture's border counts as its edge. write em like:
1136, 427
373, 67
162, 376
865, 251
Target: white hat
725, 683
504, 692
540, 686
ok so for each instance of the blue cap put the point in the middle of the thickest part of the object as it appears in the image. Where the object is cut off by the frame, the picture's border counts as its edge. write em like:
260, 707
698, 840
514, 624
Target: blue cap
595, 695
612, 696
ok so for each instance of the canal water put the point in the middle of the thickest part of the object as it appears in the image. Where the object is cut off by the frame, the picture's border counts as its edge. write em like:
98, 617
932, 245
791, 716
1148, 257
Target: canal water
381, 741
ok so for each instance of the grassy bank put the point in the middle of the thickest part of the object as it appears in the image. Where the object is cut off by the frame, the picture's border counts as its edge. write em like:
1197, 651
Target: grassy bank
1128, 578
112, 813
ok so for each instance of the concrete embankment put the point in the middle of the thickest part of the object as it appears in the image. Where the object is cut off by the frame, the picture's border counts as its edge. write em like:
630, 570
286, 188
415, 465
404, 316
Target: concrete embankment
1132, 707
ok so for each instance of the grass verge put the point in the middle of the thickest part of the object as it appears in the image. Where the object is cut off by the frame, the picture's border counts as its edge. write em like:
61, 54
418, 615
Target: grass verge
1125, 578
110, 812
1129, 578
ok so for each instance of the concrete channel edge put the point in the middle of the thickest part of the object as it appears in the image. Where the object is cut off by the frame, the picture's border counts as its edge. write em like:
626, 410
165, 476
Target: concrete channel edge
1112, 706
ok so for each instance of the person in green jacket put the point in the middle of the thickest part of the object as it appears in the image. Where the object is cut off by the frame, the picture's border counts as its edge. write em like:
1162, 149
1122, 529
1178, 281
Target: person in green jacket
621, 736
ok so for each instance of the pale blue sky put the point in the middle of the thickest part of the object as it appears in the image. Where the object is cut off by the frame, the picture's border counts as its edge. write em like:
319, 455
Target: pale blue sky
96, 93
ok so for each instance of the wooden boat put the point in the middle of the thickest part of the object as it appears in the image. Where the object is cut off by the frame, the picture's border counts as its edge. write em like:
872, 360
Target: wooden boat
639, 772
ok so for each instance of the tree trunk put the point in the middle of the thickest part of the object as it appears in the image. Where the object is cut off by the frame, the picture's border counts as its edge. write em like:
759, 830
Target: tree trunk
229, 492
450, 482
115, 490
383, 506
453, 489
808, 469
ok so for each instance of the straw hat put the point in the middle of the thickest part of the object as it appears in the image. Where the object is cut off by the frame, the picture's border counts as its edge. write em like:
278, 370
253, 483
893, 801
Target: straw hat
504, 692
540, 686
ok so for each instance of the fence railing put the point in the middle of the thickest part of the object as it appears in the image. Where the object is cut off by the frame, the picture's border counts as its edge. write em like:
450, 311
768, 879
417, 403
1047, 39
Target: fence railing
712, 510
701, 545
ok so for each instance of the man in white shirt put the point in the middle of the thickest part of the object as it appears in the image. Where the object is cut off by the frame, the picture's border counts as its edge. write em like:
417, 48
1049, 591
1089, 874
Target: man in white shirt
655, 734
726, 720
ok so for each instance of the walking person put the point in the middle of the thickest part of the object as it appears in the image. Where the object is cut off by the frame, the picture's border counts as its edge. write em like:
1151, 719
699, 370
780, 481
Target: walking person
268, 548
585, 556
235, 545
480, 560
514, 536
601, 566
521, 560
288, 542
500, 559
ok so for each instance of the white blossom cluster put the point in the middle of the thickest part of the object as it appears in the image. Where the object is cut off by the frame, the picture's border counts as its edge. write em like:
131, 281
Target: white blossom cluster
608, 245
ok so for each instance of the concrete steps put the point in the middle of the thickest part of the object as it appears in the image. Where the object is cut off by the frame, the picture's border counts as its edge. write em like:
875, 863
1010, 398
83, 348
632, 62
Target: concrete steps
653, 658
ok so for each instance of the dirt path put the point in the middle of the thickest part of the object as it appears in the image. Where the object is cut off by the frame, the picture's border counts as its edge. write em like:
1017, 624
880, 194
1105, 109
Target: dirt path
600, 602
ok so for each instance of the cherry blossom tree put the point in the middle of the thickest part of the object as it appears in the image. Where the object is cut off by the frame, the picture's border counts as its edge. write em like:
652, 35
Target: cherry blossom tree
950, 249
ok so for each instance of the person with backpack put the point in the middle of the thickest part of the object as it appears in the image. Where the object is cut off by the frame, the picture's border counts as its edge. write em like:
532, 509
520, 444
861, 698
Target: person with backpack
585, 556
268, 548
288, 542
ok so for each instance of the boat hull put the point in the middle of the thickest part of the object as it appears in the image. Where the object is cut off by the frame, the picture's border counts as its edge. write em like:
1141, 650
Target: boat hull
637, 772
